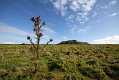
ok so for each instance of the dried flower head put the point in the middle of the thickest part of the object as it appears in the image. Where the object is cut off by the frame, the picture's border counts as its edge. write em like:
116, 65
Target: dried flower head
37, 18
51, 40
28, 37
40, 34
33, 19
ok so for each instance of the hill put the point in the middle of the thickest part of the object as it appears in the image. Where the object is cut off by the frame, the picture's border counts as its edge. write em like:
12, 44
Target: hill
72, 42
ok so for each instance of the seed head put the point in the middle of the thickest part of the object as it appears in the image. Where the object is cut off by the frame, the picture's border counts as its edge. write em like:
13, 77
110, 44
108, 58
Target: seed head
28, 37
51, 40
32, 19
40, 34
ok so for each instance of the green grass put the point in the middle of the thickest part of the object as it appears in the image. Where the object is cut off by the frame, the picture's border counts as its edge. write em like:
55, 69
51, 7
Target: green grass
60, 62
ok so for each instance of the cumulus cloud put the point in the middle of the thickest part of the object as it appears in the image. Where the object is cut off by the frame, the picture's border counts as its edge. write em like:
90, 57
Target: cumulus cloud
107, 40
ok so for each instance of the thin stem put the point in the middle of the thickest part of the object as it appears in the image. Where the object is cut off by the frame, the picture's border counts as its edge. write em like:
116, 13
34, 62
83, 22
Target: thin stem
38, 41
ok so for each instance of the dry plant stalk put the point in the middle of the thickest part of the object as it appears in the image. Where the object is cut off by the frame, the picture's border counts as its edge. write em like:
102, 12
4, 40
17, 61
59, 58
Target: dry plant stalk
37, 25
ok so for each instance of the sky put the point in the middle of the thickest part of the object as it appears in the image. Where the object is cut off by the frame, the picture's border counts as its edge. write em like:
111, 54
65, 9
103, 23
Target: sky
92, 21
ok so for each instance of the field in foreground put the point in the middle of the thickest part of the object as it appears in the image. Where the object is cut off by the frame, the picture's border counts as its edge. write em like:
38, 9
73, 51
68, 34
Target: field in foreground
60, 62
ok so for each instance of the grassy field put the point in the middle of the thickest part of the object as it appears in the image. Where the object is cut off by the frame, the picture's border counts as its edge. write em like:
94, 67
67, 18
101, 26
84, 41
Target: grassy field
60, 62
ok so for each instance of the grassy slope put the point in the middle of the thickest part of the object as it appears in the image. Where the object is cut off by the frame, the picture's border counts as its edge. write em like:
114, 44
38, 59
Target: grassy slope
60, 62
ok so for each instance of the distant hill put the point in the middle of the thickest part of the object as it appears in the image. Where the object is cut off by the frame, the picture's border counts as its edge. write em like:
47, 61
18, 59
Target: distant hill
72, 42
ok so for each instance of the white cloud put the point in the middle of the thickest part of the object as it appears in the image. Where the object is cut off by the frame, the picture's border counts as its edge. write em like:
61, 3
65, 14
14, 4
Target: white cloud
74, 5
113, 2
104, 7
88, 4
94, 14
48, 31
14, 30
78, 8
110, 4
47, 34
114, 14
107, 40
75, 12
8, 43
9, 29
59, 5
65, 38
75, 29
17, 36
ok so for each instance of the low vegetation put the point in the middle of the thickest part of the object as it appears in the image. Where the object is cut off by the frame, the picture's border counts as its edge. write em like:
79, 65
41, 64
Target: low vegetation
60, 62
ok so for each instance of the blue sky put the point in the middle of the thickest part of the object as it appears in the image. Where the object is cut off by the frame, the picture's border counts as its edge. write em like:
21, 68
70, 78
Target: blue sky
93, 21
